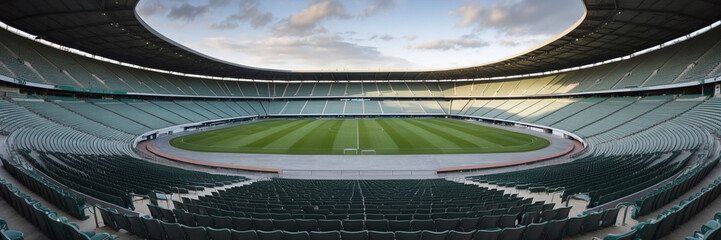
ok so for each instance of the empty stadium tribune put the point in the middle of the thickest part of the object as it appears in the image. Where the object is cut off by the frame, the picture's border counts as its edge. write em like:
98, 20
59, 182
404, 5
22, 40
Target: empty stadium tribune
649, 123
30, 62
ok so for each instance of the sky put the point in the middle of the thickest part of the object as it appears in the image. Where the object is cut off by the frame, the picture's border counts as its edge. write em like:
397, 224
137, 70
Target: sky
361, 34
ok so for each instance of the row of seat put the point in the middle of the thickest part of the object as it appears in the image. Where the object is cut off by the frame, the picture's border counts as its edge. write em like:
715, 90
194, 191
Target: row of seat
399, 214
62, 199
300, 224
7, 234
555, 229
34, 62
367, 197
669, 192
709, 231
49, 223
670, 219
113, 178
602, 178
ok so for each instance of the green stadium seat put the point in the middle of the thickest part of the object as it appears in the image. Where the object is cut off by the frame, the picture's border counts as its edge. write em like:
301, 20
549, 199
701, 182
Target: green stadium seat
269, 235
352, 225
325, 235
468, 224
376, 235
242, 224
295, 235
250, 235
223, 222
512, 233
330, 225
155, 230
194, 233
556, 229
136, 226
593, 221
408, 235
420, 225
11, 235
354, 235
432, 235
506, 221
487, 222
459, 235
307, 224
288, 225
442, 224
575, 225
261, 224
219, 234
377, 225
399, 225
630, 235
535, 231
173, 230
491, 234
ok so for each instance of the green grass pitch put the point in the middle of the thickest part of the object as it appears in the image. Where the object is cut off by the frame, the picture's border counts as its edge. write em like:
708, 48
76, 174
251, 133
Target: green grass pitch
384, 135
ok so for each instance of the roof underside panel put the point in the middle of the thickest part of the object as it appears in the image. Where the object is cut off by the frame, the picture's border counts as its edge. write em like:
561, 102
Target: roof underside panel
111, 29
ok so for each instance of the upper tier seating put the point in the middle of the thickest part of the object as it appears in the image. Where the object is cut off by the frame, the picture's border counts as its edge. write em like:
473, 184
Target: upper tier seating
29, 61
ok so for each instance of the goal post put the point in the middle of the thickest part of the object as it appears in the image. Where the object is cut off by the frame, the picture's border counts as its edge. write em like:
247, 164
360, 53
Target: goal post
368, 152
350, 151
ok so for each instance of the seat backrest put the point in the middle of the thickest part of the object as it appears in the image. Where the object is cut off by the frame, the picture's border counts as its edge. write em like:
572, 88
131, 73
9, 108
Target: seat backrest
512, 233
173, 230
487, 234
194, 233
219, 234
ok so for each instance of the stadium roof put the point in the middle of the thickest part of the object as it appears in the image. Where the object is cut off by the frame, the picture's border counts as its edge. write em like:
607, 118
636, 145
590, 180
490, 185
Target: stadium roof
112, 29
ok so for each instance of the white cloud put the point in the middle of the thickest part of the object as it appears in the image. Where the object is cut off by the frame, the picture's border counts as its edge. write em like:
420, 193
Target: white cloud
521, 17
152, 7
376, 6
248, 12
326, 50
469, 41
189, 12
307, 21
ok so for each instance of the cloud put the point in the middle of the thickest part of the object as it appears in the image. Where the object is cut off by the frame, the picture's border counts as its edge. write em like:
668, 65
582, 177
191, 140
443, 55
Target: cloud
152, 7
249, 12
307, 21
521, 17
327, 50
190, 12
387, 37
376, 6
519, 42
469, 41
384, 37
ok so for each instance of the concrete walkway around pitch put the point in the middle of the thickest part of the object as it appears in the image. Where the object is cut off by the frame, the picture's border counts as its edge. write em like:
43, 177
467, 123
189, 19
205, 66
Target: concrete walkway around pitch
304, 165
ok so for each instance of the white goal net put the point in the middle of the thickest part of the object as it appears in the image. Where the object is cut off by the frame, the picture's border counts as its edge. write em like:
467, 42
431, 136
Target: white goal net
350, 151
368, 152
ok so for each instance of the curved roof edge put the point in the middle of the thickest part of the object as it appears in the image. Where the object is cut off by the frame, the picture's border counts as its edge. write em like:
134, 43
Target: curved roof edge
112, 29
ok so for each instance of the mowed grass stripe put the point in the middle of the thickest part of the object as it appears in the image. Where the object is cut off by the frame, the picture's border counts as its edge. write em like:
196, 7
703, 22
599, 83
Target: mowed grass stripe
438, 144
507, 139
224, 134
278, 134
321, 138
406, 140
474, 135
373, 136
291, 137
386, 136
443, 132
346, 135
